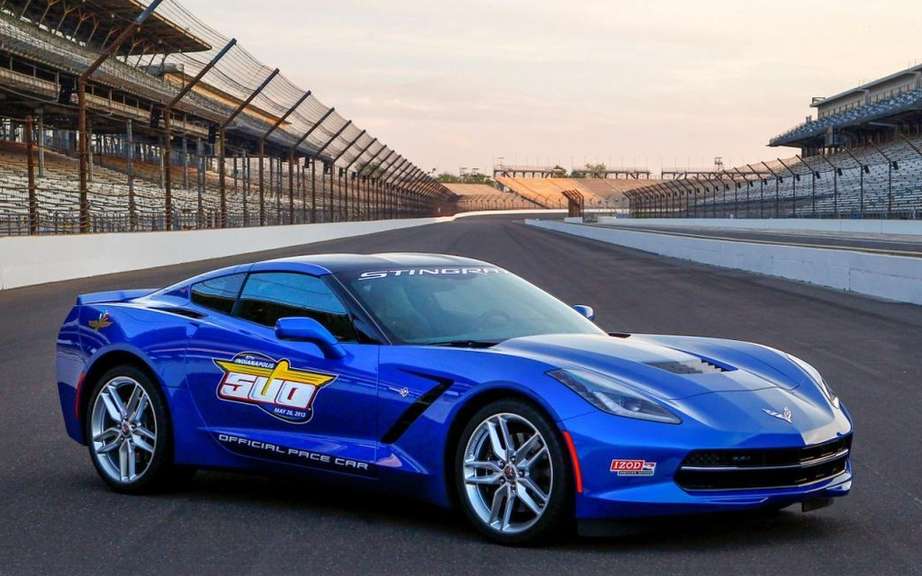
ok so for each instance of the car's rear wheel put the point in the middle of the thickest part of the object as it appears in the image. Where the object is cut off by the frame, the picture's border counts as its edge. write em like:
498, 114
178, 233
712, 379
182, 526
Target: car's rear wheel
128, 431
510, 472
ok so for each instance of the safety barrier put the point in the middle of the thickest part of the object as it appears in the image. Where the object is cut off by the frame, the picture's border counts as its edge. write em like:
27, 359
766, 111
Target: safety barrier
26, 261
896, 278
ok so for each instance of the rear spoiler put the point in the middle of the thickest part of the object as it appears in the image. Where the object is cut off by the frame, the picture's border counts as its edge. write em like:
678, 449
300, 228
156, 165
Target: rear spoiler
113, 296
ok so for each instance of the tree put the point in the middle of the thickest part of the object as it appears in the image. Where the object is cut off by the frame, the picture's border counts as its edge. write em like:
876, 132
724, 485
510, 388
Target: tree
596, 170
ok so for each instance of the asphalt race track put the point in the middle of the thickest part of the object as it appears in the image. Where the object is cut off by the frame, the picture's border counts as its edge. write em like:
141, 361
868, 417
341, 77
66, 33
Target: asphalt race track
56, 517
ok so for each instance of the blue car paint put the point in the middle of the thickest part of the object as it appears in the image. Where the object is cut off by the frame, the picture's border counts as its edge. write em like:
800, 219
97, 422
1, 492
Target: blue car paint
377, 384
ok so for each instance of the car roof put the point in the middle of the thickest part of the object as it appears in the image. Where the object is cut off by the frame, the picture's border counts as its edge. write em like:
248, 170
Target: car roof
346, 263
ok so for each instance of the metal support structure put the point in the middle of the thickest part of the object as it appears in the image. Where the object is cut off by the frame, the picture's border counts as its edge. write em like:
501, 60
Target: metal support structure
795, 179
222, 137
132, 205
778, 180
836, 172
30, 169
82, 116
344, 192
815, 175
862, 170
378, 186
167, 130
367, 182
358, 185
891, 166
748, 187
319, 154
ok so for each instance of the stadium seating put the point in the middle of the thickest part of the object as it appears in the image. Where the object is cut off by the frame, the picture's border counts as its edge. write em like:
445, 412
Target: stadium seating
865, 183
57, 192
473, 197
597, 192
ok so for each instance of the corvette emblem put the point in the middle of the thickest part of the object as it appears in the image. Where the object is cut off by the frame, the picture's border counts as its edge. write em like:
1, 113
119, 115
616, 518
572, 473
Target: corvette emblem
274, 386
104, 321
785, 415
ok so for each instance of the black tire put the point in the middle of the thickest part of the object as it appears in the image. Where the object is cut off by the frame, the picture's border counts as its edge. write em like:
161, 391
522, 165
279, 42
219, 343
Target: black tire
160, 472
557, 513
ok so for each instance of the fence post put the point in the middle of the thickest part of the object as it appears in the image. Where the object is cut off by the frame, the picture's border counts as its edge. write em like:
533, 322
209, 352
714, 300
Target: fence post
30, 162
41, 143
132, 208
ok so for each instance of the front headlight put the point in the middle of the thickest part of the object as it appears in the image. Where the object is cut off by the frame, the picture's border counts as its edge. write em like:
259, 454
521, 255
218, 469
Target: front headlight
815, 375
612, 396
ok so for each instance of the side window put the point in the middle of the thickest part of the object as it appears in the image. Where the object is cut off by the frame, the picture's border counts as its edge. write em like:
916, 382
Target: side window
268, 296
218, 294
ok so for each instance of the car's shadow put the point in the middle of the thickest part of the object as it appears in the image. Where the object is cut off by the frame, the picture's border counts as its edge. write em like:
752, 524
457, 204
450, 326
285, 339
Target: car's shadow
287, 495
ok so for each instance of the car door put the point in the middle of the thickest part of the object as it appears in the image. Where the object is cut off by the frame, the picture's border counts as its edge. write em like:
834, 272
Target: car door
284, 401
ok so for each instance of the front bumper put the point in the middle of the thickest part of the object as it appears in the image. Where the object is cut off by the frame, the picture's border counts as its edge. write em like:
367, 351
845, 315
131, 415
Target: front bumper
629, 467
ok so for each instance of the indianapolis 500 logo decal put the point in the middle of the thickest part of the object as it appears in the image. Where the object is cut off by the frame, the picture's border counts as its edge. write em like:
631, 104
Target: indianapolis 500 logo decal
274, 386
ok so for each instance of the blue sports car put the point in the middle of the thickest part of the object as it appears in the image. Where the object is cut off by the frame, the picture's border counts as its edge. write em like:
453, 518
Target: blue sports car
447, 379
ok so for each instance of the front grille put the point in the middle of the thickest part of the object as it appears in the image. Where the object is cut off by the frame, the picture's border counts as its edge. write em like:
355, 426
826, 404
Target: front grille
769, 468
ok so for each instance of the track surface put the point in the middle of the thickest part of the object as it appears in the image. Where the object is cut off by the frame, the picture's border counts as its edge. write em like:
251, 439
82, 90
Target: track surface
895, 244
56, 516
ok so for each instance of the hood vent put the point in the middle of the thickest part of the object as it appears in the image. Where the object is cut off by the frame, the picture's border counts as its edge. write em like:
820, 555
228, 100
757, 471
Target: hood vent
695, 366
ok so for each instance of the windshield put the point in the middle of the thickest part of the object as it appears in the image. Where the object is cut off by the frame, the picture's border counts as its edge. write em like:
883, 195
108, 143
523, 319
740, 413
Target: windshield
454, 305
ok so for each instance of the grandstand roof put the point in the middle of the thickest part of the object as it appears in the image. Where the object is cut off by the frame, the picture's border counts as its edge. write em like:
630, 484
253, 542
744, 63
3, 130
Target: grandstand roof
911, 71
83, 19
907, 102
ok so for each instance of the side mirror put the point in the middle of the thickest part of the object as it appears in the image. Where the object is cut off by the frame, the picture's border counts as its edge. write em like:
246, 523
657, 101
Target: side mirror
586, 311
309, 330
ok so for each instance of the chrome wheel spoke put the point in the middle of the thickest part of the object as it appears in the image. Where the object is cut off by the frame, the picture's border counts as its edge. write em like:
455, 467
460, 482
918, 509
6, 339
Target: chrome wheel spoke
498, 449
117, 401
124, 452
507, 438
483, 465
112, 408
143, 432
528, 501
141, 443
499, 499
107, 433
138, 411
529, 463
508, 508
529, 488
136, 394
106, 448
522, 452
492, 479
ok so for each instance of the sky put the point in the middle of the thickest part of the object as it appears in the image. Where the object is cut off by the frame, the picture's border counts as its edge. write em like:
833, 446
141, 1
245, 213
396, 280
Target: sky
654, 83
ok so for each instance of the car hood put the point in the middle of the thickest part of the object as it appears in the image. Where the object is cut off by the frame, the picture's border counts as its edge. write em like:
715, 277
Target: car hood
667, 367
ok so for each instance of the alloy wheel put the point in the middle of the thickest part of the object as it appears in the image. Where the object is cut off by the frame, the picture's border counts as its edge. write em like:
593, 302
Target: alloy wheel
508, 474
123, 430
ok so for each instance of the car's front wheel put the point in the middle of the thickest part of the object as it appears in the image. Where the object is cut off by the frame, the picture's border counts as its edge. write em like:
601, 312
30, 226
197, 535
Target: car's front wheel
512, 480
128, 431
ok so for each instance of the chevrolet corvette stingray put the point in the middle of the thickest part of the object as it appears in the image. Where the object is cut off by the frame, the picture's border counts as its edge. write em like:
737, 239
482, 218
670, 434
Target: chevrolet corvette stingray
445, 379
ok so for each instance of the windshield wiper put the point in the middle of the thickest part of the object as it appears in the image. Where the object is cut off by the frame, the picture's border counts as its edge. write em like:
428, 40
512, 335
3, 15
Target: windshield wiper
465, 344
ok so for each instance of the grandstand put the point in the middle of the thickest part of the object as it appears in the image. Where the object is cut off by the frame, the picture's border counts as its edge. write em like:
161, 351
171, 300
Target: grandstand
136, 115
860, 158
596, 192
476, 197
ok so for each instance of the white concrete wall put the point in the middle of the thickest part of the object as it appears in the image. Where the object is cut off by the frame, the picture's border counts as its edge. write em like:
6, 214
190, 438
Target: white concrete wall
896, 278
912, 227
25, 261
